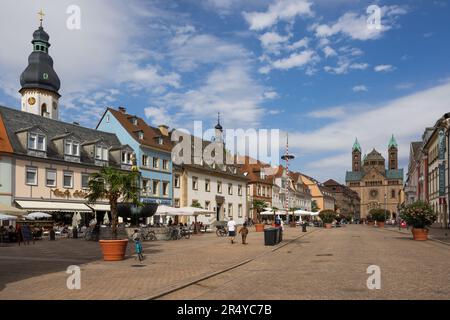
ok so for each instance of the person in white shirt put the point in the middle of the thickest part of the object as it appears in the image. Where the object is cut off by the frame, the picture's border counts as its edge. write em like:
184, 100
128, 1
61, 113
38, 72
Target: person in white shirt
231, 230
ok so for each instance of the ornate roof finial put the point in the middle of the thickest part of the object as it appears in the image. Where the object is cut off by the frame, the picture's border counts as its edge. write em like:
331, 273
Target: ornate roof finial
41, 15
392, 142
356, 146
218, 126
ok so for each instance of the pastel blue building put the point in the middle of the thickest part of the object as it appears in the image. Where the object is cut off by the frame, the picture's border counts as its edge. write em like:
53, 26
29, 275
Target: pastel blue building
152, 148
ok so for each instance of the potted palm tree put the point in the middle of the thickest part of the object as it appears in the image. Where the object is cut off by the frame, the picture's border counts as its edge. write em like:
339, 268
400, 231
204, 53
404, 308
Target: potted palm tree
327, 217
114, 185
259, 206
419, 215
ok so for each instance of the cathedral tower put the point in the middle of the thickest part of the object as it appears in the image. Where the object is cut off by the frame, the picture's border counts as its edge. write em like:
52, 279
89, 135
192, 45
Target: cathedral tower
356, 156
39, 82
393, 154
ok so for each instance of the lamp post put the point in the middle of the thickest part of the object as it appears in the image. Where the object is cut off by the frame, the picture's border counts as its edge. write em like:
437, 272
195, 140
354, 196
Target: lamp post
385, 206
286, 157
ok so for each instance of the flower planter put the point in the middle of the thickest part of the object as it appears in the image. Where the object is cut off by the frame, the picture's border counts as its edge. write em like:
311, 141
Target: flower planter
380, 224
328, 225
113, 250
259, 227
420, 234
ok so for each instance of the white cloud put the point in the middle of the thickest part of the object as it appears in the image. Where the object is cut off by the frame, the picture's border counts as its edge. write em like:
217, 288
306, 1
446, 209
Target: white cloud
355, 25
359, 88
272, 41
302, 43
404, 85
329, 52
384, 68
359, 66
334, 140
229, 88
335, 112
270, 94
295, 60
158, 116
284, 10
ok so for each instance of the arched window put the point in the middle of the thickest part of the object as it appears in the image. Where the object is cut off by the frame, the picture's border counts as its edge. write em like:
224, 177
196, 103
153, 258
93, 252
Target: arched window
44, 111
392, 193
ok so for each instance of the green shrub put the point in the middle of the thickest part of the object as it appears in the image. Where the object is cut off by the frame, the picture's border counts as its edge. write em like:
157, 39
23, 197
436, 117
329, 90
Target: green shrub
418, 214
379, 215
327, 216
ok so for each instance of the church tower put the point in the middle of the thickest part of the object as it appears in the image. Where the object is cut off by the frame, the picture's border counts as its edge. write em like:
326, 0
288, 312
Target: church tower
393, 154
218, 130
39, 82
356, 156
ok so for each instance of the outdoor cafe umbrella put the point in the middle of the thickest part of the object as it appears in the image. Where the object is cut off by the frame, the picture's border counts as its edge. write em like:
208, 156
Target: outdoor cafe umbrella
5, 217
37, 215
305, 213
106, 218
76, 218
192, 211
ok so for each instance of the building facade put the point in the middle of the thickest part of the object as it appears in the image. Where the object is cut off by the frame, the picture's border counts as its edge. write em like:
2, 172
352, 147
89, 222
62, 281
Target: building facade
320, 195
215, 186
347, 200
376, 185
153, 152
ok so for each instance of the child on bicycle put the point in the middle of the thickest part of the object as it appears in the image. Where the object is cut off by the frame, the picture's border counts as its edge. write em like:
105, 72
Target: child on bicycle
136, 237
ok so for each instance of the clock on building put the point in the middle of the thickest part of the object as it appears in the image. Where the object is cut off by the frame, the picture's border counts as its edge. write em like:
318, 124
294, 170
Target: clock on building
31, 101
373, 193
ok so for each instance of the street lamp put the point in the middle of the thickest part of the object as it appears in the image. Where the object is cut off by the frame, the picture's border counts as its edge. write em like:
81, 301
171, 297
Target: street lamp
385, 206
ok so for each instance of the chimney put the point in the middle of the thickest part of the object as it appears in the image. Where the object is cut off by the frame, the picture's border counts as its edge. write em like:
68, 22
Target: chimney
123, 109
164, 130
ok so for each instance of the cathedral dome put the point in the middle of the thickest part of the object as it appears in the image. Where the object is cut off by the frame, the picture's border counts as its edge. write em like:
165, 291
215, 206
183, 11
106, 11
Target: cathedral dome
39, 74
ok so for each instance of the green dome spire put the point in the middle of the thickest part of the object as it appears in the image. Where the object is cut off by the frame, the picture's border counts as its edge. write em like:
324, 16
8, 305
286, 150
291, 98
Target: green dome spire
356, 146
392, 143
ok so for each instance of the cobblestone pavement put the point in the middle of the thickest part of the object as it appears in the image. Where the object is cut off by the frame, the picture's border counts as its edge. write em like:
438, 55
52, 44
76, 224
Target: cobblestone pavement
332, 264
38, 271
434, 233
325, 264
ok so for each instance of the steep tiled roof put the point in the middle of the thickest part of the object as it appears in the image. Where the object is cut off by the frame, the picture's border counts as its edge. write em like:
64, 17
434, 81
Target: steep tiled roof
353, 176
151, 134
16, 121
394, 174
5, 145
415, 146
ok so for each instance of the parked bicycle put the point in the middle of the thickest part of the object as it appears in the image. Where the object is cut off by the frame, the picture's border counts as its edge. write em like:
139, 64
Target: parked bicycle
178, 233
147, 235
221, 231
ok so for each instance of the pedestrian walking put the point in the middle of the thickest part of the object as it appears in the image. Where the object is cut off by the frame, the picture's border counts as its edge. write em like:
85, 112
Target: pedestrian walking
231, 229
137, 244
244, 232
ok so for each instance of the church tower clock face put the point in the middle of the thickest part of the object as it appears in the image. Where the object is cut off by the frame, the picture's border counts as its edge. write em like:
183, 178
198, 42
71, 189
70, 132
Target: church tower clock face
31, 101
373, 193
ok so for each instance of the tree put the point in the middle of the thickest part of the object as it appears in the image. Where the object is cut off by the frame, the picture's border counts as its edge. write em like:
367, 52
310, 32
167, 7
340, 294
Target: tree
314, 206
196, 204
114, 185
259, 206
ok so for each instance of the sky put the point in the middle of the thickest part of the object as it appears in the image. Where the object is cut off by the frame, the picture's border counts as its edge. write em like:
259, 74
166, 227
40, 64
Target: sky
314, 69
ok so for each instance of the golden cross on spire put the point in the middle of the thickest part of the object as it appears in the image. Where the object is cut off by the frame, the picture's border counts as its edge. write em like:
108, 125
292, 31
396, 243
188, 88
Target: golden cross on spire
41, 14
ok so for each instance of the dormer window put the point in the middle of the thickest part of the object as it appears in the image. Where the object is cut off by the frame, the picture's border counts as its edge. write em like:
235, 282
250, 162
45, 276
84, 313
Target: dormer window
134, 121
72, 148
140, 135
101, 153
127, 157
160, 140
36, 142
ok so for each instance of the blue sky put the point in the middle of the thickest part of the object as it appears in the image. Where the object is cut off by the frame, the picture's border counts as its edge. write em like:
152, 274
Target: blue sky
310, 68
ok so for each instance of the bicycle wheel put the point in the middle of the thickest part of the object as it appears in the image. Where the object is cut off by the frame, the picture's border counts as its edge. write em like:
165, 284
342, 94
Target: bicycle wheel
151, 236
187, 235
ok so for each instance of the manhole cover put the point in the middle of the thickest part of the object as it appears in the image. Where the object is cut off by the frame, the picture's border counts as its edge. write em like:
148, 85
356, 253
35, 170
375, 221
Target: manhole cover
324, 255
137, 265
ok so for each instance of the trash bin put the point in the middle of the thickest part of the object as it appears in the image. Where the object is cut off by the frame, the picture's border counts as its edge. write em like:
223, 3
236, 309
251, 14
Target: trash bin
303, 227
75, 233
270, 236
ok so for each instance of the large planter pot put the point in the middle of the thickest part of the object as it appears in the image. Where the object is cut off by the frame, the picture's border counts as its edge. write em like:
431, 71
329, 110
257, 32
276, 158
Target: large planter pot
380, 224
259, 227
370, 223
420, 234
113, 250
328, 225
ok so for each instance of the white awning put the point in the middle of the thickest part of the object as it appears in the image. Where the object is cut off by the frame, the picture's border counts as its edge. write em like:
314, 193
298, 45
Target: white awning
53, 206
5, 209
100, 207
